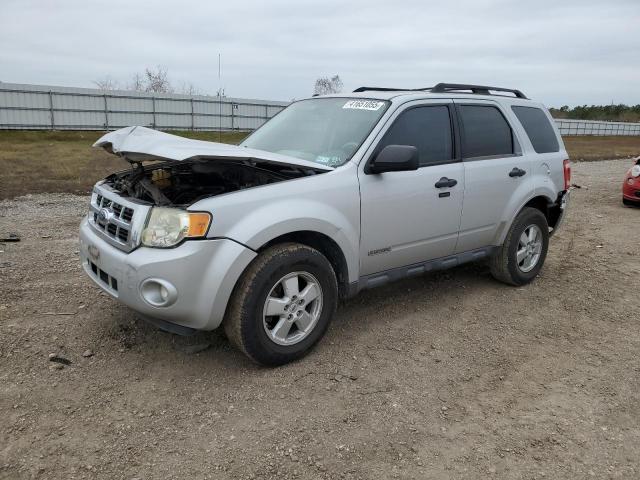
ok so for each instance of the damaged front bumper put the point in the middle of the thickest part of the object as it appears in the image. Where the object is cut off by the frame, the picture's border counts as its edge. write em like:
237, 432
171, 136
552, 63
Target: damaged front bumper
189, 285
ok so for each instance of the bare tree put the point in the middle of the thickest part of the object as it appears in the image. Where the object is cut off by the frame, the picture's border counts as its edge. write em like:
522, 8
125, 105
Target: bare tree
152, 80
326, 85
157, 80
106, 83
189, 89
137, 83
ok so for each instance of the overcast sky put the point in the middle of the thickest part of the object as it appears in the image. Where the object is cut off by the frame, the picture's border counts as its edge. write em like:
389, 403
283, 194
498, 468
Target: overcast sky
556, 51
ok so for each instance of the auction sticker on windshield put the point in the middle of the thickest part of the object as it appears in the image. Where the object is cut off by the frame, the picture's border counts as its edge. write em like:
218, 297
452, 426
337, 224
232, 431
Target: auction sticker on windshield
363, 104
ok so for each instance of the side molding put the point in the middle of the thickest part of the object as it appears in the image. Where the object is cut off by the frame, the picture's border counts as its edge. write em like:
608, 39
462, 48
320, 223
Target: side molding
381, 278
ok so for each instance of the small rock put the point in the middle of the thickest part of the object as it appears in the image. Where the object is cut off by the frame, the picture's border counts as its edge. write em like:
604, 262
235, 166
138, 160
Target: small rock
444, 408
87, 353
53, 357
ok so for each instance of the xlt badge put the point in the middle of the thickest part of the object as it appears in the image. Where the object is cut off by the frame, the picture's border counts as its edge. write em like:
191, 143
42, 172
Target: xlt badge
378, 251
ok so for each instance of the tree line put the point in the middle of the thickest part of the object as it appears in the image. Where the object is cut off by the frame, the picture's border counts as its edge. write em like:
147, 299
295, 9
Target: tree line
611, 113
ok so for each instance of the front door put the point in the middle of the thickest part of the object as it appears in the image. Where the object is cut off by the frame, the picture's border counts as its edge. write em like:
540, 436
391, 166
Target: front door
410, 217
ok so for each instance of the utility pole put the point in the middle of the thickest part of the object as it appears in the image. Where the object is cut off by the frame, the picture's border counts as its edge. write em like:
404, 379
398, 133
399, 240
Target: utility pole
220, 97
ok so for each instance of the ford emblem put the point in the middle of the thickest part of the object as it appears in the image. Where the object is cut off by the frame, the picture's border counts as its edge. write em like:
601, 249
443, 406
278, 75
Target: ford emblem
104, 215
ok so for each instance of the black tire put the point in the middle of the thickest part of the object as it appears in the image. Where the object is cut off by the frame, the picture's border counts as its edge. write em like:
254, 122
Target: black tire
630, 203
243, 323
504, 265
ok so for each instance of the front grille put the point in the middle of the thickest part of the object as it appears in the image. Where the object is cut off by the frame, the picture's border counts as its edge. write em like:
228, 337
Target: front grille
103, 276
114, 218
637, 193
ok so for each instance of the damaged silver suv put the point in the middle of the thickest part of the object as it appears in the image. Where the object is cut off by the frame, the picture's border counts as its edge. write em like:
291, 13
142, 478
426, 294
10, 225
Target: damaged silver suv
334, 195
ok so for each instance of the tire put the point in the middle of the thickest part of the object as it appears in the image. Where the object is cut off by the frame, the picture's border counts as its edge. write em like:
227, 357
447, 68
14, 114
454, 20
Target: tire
265, 339
630, 203
505, 266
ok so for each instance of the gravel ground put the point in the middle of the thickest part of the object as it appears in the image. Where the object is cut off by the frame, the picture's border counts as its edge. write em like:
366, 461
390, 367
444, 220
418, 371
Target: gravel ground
449, 375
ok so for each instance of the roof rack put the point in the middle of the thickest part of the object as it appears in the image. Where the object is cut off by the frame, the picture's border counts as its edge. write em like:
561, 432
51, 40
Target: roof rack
445, 88
384, 89
477, 89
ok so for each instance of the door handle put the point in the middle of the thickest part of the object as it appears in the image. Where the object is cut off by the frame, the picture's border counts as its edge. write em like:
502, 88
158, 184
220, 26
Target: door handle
517, 172
445, 182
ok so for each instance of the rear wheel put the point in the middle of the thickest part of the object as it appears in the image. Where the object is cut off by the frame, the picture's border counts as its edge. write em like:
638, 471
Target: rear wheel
283, 304
524, 250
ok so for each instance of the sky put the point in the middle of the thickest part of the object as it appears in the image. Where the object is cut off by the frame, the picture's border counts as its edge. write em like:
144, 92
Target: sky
560, 52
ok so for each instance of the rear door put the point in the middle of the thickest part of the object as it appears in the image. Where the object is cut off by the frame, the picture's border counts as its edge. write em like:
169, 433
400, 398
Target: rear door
405, 217
494, 168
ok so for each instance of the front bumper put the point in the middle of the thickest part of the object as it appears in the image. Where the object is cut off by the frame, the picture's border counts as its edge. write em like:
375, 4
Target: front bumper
631, 191
199, 276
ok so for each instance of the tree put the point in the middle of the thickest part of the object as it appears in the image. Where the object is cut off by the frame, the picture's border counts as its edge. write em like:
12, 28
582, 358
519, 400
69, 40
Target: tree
106, 83
326, 85
157, 80
137, 83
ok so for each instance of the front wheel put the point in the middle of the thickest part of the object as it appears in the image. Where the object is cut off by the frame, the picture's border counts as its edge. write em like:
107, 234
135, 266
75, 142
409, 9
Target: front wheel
283, 304
524, 250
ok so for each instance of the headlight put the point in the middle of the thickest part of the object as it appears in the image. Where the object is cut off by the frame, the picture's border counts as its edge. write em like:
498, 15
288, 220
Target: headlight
168, 227
635, 171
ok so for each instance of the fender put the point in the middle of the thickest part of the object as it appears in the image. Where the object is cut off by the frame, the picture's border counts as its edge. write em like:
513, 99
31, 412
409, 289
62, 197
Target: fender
259, 227
327, 203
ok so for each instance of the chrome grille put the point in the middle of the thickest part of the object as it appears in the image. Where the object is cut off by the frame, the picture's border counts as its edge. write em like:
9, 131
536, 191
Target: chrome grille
115, 218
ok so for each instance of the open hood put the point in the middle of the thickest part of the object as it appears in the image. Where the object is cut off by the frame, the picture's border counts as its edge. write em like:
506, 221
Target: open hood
141, 143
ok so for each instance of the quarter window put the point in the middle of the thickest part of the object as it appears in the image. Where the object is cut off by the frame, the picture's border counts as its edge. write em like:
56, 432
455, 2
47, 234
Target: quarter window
540, 132
485, 132
426, 128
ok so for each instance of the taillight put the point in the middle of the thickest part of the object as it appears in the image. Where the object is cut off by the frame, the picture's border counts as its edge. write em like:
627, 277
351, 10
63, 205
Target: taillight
566, 167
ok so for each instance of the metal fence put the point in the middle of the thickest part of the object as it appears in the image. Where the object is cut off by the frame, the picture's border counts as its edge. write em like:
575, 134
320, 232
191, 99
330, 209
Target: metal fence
593, 127
36, 107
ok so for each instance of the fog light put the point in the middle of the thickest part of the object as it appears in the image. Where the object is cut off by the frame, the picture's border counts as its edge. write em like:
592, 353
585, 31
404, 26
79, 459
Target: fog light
158, 293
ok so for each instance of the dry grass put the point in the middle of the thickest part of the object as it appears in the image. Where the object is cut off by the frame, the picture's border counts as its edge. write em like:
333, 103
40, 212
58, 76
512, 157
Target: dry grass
599, 148
42, 161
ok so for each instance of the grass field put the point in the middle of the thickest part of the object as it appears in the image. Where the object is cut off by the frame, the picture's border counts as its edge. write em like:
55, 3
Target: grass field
64, 161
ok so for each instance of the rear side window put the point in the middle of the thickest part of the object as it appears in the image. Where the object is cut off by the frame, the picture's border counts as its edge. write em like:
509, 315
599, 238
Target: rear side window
485, 131
540, 132
426, 128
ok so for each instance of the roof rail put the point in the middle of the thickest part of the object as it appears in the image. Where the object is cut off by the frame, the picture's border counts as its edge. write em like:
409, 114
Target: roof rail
382, 89
477, 89
446, 88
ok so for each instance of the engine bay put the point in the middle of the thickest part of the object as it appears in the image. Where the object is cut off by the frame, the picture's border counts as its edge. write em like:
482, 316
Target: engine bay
184, 183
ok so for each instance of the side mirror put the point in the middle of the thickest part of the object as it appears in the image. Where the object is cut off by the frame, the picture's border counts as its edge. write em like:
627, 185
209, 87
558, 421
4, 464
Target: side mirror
395, 158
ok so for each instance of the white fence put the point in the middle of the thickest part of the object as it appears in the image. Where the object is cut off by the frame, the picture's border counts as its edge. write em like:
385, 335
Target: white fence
36, 107
594, 127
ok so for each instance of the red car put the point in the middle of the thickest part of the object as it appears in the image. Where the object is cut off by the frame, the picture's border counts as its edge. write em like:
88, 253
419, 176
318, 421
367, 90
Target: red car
631, 185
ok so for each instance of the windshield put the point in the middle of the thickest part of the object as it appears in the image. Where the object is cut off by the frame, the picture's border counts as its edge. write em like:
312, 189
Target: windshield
322, 130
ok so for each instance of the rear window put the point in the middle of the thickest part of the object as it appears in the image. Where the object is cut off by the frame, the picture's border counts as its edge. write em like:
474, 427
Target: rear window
540, 132
486, 132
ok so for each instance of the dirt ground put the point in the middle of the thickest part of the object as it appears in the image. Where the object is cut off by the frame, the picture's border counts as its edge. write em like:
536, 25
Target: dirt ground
449, 375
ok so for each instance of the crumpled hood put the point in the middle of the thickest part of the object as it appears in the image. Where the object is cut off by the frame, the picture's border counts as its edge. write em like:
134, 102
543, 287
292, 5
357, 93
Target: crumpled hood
141, 143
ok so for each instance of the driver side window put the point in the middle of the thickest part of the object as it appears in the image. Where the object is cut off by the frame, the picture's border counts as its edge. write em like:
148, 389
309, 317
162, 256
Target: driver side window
428, 129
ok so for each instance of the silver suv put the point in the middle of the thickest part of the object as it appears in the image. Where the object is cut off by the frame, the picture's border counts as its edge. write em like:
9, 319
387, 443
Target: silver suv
334, 195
